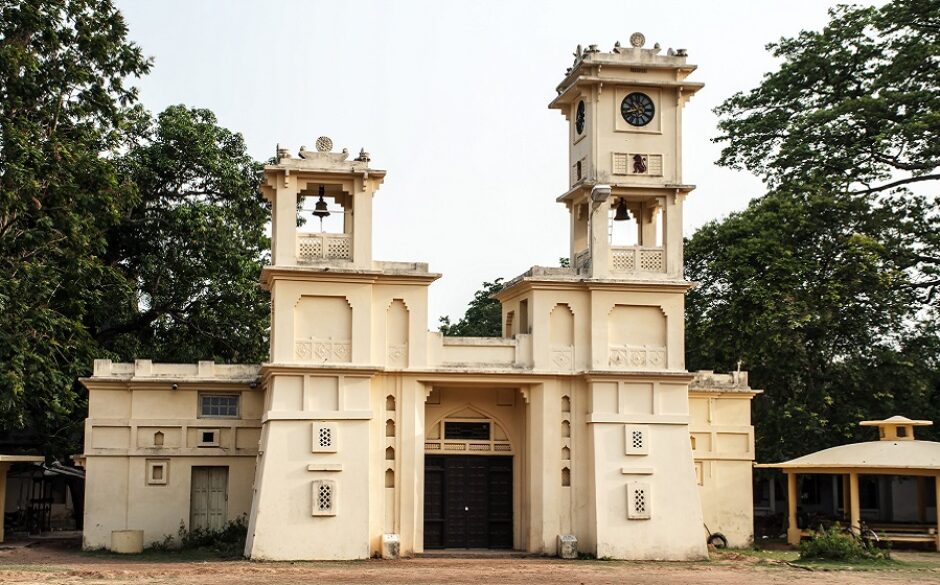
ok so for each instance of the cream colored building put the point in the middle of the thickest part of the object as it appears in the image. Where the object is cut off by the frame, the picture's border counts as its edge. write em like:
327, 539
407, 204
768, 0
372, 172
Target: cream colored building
367, 435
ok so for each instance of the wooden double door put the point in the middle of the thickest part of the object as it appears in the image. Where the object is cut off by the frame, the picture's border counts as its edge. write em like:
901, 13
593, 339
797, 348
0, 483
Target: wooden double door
467, 501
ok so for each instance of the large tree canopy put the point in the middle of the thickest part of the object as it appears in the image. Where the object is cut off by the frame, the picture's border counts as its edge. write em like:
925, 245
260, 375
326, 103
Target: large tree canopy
191, 251
809, 292
120, 236
856, 105
65, 104
826, 287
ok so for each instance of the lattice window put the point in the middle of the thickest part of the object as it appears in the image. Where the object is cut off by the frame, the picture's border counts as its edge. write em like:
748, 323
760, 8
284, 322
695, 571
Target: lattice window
637, 440
652, 261
310, 249
639, 500
324, 437
340, 248
324, 497
623, 260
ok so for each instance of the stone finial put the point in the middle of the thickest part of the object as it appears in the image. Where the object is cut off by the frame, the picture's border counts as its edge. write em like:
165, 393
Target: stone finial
682, 53
671, 52
324, 144
637, 39
282, 152
616, 47
363, 156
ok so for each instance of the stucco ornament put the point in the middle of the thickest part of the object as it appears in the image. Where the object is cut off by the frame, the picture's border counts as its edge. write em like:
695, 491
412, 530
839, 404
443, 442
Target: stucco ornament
637, 39
324, 144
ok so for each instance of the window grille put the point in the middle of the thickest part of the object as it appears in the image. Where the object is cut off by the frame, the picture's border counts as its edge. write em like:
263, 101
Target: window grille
324, 497
324, 437
218, 406
639, 500
637, 440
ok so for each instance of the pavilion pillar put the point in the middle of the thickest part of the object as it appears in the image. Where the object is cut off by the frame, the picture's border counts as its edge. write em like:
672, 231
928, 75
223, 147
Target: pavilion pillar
793, 531
937, 488
855, 511
845, 496
4, 467
922, 499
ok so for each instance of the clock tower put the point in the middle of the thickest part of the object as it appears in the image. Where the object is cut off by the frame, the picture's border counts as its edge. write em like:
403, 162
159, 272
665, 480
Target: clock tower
611, 325
625, 193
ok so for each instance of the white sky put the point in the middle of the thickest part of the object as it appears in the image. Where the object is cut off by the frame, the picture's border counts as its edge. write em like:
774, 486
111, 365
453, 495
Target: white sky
450, 98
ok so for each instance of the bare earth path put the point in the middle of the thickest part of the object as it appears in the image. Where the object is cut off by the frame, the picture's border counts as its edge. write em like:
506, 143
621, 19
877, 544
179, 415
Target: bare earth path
48, 564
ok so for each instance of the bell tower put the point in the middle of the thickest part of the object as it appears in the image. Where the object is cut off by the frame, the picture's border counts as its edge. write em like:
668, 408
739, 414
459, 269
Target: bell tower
624, 110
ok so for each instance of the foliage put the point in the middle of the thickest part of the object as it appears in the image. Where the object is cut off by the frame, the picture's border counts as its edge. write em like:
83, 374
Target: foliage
483, 317
120, 236
854, 108
64, 103
825, 288
809, 291
191, 251
835, 544
226, 542
856, 103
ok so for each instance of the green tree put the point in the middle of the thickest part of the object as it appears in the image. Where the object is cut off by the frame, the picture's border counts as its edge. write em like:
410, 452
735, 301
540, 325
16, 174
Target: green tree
809, 292
856, 104
854, 109
483, 317
825, 287
65, 109
191, 251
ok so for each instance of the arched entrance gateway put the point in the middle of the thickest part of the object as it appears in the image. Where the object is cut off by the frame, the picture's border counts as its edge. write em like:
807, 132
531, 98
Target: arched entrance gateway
469, 469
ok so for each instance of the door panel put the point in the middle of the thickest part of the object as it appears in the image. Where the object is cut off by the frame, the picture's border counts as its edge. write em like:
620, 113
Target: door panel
208, 498
467, 501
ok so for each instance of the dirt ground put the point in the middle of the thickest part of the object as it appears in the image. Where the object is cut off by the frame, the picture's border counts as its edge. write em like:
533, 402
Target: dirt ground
47, 563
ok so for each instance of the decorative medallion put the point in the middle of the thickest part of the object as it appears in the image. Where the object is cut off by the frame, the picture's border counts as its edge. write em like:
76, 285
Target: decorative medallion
324, 144
637, 39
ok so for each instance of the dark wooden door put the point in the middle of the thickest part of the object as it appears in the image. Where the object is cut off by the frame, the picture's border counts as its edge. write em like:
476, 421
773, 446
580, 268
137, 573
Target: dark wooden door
467, 501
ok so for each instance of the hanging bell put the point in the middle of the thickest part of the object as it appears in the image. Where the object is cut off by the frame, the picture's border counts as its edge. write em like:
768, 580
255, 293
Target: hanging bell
622, 213
320, 209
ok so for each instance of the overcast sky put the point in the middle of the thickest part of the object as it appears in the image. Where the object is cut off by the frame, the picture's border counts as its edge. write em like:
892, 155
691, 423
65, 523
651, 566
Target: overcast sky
450, 98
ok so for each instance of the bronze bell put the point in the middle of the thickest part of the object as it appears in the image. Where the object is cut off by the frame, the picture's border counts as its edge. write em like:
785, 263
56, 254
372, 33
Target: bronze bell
320, 209
622, 213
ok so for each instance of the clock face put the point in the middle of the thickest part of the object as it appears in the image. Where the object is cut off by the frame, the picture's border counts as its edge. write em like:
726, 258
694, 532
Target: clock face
637, 109
579, 118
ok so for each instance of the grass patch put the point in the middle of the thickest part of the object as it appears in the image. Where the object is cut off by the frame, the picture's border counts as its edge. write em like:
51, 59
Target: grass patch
835, 544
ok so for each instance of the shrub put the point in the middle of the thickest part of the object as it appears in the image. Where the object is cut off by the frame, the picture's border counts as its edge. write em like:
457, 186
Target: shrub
229, 541
836, 544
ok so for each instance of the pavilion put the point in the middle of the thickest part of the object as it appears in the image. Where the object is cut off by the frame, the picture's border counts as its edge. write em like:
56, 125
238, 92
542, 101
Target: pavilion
896, 453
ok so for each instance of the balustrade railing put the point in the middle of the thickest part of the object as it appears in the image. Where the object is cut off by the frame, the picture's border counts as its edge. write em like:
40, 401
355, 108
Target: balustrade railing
637, 259
324, 246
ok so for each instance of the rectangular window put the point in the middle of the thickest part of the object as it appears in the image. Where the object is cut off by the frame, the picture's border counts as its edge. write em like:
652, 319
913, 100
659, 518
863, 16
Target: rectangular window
467, 431
218, 406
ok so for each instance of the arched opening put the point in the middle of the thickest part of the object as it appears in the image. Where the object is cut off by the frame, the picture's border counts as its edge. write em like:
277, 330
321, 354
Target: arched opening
565, 477
158, 439
389, 478
565, 454
389, 428
390, 403
565, 428
565, 404
390, 454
